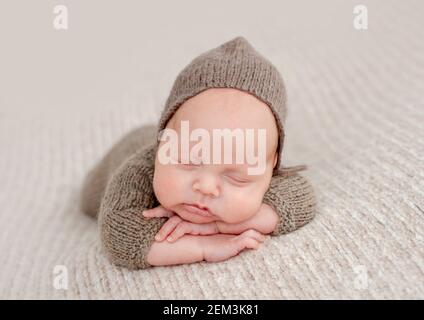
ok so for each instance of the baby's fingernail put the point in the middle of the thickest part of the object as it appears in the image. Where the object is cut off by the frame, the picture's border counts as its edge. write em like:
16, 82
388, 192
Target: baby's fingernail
157, 237
170, 239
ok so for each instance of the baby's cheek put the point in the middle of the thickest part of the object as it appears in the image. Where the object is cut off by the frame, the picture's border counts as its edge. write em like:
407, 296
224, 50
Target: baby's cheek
242, 206
166, 186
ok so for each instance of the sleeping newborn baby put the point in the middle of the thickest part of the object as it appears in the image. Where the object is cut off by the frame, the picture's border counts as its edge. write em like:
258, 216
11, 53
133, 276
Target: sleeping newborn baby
231, 198
162, 198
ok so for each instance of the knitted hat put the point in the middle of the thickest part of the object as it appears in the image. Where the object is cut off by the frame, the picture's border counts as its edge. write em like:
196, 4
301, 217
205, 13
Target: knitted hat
234, 64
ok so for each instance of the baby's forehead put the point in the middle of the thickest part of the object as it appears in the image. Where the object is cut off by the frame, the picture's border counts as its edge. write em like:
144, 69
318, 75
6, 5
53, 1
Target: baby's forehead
224, 112
220, 108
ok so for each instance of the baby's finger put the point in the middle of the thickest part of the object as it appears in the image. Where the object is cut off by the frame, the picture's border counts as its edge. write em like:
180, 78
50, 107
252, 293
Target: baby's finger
251, 243
182, 228
193, 228
157, 212
251, 233
245, 242
168, 227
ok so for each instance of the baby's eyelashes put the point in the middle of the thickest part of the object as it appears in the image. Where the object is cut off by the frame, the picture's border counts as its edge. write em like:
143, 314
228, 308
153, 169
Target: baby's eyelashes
237, 179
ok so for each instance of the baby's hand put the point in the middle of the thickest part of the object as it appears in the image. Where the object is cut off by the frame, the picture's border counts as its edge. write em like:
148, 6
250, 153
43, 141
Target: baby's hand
175, 227
221, 247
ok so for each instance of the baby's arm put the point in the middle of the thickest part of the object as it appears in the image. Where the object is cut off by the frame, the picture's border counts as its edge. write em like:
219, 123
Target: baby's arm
195, 248
187, 249
126, 236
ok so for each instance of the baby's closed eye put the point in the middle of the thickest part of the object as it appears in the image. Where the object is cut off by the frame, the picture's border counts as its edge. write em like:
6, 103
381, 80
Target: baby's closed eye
237, 179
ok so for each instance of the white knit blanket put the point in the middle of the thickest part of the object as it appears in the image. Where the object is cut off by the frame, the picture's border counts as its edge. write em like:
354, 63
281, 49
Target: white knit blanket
356, 114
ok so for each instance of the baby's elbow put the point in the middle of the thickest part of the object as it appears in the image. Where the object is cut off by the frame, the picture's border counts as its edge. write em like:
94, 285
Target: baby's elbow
120, 249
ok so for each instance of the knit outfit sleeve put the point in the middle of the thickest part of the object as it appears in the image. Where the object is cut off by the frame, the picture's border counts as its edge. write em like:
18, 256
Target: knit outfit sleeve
126, 235
293, 199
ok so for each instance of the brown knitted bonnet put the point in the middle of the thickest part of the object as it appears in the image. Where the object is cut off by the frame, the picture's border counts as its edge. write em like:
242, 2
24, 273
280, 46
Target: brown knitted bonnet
234, 64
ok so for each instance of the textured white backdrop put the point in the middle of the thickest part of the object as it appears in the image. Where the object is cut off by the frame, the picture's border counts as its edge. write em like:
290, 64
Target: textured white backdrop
356, 114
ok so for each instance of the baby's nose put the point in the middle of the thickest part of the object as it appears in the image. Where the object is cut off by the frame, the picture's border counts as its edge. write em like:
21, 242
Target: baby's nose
207, 185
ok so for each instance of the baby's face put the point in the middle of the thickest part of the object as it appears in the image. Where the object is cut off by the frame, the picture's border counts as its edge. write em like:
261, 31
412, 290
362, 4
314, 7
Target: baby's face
231, 194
